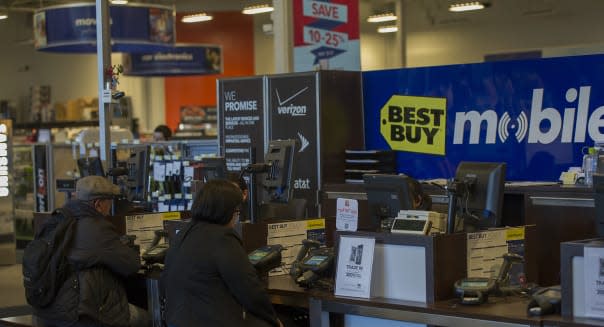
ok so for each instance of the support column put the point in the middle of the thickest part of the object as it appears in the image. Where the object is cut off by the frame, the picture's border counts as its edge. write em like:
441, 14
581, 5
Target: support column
103, 51
283, 35
401, 35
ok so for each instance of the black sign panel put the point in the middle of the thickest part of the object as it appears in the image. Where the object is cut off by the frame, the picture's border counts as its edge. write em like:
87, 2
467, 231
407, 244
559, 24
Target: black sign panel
293, 114
241, 121
41, 177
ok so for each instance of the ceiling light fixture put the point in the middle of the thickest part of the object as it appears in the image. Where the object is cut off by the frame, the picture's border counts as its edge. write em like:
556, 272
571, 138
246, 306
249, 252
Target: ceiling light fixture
196, 18
387, 29
467, 6
260, 9
380, 18
119, 2
3, 15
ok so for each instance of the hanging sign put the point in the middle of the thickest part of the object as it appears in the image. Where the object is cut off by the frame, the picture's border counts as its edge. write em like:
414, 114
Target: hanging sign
182, 60
326, 35
536, 115
134, 28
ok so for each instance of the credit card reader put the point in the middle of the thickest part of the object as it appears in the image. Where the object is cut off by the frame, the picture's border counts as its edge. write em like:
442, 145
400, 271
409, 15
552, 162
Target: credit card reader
476, 290
266, 258
315, 266
318, 261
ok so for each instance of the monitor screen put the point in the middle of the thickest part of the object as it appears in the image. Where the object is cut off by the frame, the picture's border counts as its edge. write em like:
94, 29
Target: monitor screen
258, 254
91, 166
315, 260
388, 194
277, 181
480, 197
213, 168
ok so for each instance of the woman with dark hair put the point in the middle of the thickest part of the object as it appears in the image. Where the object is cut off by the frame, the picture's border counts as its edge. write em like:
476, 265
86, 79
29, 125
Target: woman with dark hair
209, 280
162, 133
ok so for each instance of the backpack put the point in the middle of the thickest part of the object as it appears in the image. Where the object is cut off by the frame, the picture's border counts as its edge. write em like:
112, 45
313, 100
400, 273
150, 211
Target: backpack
45, 264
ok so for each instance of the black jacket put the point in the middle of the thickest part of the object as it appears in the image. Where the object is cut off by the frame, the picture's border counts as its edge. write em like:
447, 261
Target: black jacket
209, 281
94, 292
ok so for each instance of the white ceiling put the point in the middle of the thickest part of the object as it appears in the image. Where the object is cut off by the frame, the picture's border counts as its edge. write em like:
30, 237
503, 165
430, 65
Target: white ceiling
419, 14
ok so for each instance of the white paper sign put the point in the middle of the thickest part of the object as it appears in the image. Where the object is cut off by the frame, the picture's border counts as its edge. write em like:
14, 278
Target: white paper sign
144, 227
159, 172
347, 214
355, 262
485, 252
594, 281
290, 235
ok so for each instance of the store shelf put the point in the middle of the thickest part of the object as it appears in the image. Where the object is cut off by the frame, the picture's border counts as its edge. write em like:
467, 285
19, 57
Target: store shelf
58, 124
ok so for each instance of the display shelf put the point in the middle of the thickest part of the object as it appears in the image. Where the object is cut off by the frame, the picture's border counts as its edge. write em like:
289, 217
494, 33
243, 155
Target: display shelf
58, 124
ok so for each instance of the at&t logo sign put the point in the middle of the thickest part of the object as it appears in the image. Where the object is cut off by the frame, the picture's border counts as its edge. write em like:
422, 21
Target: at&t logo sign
544, 126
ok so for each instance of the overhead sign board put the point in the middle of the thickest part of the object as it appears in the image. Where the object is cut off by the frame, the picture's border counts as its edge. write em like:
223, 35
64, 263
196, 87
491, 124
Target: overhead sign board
536, 115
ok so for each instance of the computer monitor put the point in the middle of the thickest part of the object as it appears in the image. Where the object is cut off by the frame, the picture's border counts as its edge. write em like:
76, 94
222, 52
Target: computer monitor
279, 160
387, 194
136, 160
213, 168
479, 188
90, 166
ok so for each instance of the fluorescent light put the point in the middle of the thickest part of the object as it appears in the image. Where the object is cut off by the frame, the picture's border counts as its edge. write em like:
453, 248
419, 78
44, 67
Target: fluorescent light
252, 10
3, 16
387, 29
387, 17
459, 7
119, 2
196, 18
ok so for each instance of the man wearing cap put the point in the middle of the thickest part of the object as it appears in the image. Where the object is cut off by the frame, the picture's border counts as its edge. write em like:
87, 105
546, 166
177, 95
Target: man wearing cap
94, 294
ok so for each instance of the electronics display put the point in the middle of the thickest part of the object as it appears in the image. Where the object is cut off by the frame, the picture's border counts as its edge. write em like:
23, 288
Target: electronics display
411, 226
477, 191
136, 160
386, 196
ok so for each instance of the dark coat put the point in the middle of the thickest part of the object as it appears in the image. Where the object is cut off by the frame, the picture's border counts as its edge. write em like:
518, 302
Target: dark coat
95, 290
209, 281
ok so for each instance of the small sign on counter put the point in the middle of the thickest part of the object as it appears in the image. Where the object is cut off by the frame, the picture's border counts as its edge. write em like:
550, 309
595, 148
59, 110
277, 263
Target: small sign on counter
347, 214
594, 281
355, 263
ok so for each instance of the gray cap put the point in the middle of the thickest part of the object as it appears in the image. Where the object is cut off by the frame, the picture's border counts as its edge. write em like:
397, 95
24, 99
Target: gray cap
95, 187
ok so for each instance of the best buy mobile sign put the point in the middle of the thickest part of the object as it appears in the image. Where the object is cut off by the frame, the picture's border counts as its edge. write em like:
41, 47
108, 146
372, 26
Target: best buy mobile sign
415, 124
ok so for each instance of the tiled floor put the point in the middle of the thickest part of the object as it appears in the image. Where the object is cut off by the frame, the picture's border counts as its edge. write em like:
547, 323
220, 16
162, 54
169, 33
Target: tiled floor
12, 295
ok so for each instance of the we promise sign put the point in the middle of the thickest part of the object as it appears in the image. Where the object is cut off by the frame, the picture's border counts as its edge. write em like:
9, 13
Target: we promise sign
326, 35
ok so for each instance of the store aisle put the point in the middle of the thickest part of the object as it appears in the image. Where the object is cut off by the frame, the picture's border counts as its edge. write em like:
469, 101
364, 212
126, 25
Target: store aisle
12, 295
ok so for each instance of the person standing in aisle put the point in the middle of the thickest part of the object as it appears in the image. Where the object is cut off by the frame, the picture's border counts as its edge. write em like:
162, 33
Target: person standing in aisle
94, 294
208, 278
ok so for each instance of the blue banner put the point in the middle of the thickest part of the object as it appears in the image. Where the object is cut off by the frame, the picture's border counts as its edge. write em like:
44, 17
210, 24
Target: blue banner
536, 115
181, 60
72, 28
